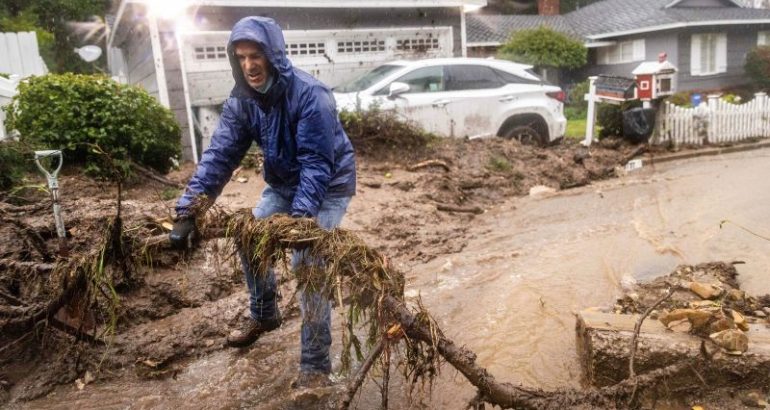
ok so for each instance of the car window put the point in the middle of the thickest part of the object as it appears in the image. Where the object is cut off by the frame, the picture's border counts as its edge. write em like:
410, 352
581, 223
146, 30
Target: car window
367, 80
509, 78
421, 80
472, 77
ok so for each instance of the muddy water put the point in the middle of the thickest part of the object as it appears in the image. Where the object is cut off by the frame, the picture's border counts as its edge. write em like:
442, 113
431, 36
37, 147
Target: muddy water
511, 293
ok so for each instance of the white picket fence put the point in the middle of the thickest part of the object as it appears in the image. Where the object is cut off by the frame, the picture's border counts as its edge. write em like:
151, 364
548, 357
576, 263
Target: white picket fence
714, 121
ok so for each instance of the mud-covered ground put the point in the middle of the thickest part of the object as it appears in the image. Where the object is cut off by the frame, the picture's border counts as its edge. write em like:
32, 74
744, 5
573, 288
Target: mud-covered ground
181, 308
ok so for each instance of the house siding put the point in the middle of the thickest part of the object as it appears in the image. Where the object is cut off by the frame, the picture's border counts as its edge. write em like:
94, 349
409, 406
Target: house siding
676, 43
139, 61
740, 40
172, 68
654, 44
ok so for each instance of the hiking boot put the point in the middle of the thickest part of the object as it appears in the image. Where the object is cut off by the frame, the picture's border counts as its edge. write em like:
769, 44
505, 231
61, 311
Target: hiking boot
311, 380
251, 331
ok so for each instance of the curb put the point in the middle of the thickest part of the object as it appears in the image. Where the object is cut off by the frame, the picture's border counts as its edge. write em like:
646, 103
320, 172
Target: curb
648, 160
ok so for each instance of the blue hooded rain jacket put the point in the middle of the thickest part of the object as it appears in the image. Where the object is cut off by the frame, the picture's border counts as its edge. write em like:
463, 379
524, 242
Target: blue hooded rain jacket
307, 155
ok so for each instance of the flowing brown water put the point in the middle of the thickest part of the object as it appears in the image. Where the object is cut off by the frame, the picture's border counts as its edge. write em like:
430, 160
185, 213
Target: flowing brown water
511, 294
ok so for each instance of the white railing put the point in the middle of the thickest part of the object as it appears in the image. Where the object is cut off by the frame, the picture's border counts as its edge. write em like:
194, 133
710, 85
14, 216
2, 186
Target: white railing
715, 121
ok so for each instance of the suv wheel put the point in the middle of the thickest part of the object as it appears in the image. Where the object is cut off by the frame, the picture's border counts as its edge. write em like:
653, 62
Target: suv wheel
524, 134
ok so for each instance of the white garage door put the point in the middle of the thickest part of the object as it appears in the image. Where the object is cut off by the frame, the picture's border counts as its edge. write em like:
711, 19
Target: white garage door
332, 56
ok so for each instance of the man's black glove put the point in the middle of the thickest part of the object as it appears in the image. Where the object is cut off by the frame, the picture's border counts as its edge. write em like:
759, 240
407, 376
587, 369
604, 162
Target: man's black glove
184, 233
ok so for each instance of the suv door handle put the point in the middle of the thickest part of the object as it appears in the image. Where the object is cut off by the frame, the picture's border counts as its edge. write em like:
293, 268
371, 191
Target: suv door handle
507, 98
441, 103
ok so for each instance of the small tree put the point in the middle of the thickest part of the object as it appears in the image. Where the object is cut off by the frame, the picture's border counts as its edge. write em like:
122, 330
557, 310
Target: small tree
543, 47
758, 66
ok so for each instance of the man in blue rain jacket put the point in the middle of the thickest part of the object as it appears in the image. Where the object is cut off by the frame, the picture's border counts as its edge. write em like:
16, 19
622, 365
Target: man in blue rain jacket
309, 167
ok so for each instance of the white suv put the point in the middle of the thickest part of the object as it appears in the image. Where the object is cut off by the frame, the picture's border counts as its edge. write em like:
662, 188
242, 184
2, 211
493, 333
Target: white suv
463, 97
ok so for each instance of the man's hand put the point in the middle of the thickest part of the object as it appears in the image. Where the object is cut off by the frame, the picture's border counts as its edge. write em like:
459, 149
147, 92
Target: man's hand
184, 233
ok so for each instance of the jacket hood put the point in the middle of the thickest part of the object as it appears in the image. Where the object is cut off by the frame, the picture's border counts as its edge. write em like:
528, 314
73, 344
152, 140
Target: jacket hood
268, 35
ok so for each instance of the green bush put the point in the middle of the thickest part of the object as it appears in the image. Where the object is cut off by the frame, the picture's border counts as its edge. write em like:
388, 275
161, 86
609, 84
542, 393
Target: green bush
610, 118
734, 98
576, 106
543, 47
758, 66
83, 114
16, 159
681, 99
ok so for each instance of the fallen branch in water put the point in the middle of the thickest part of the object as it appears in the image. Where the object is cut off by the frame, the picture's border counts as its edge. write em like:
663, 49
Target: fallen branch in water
634, 338
355, 382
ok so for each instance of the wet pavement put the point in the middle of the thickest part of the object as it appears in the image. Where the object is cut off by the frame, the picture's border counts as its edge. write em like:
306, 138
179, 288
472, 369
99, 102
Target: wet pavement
510, 295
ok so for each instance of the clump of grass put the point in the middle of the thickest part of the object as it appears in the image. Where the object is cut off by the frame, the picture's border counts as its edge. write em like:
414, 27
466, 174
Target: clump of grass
499, 163
169, 194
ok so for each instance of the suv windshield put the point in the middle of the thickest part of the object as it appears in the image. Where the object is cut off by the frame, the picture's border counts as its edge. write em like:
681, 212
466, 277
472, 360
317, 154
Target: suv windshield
366, 80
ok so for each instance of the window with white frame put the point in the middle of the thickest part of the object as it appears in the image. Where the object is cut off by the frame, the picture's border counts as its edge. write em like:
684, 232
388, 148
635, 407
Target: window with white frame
360, 46
305, 49
418, 44
622, 52
763, 38
210, 53
708, 54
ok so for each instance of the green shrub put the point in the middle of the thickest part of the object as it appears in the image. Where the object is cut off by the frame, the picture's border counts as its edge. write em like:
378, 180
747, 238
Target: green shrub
5, 75
734, 98
544, 47
681, 99
16, 159
499, 163
610, 118
84, 114
758, 66
576, 106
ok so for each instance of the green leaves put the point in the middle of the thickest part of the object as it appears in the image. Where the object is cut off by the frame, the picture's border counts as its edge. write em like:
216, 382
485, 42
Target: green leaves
758, 66
77, 112
543, 47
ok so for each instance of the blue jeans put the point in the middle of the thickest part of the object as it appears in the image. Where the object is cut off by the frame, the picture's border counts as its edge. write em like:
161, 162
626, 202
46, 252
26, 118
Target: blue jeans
316, 309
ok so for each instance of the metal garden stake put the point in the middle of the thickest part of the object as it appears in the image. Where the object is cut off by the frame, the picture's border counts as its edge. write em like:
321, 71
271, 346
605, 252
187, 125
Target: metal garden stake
53, 185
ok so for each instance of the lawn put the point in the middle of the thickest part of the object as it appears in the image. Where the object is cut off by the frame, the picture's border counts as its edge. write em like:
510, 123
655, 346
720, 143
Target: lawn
576, 129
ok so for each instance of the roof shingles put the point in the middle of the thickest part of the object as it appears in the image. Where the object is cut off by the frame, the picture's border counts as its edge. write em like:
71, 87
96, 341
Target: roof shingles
604, 17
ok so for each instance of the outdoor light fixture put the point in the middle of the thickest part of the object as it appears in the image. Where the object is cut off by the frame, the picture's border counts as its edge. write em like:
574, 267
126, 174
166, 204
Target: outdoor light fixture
89, 53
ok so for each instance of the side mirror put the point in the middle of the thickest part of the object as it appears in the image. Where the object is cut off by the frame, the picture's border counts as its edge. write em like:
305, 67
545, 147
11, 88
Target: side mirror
396, 89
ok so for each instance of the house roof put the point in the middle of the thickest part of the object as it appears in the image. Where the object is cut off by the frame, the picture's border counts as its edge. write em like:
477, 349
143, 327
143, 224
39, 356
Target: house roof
496, 29
614, 18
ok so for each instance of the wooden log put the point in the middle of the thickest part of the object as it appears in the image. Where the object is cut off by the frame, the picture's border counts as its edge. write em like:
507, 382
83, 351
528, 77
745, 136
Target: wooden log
604, 346
453, 208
